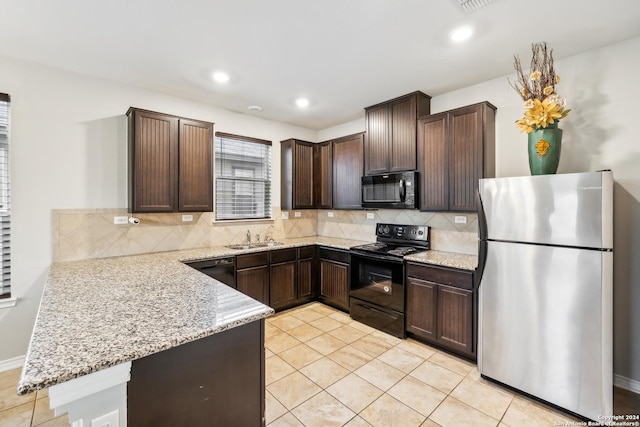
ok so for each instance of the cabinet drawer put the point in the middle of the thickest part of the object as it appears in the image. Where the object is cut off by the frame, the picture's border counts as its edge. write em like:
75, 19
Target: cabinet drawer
334, 255
441, 275
283, 255
252, 260
306, 252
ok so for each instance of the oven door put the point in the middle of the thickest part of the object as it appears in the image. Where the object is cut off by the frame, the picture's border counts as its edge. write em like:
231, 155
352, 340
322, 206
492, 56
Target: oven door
378, 280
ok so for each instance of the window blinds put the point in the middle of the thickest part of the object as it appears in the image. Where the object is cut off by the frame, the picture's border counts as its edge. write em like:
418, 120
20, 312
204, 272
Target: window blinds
243, 177
5, 206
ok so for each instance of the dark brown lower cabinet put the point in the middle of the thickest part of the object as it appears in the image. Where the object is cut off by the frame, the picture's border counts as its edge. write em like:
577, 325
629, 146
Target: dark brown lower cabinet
252, 275
334, 277
306, 274
282, 272
214, 381
442, 308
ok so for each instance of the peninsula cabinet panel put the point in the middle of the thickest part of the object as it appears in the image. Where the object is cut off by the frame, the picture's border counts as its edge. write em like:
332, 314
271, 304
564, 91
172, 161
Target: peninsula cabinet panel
323, 158
170, 163
348, 168
196, 167
390, 140
297, 175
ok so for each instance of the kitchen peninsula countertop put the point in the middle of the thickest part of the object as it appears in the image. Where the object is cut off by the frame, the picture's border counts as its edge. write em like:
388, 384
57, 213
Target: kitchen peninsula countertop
99, 313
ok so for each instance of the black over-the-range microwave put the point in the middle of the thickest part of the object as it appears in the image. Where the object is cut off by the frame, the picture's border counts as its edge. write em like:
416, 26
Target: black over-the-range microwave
390, 190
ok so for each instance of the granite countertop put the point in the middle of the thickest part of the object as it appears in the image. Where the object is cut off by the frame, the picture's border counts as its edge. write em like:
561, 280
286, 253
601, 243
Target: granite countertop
99, 313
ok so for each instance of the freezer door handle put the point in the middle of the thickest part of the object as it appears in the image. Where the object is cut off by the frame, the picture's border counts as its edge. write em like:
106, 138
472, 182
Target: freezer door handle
482, 239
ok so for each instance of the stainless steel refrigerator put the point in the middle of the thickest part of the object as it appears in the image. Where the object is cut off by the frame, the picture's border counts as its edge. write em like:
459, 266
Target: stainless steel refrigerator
546, 289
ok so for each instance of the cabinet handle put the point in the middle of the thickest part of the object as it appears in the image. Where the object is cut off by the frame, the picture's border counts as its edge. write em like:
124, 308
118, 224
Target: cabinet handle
403, 190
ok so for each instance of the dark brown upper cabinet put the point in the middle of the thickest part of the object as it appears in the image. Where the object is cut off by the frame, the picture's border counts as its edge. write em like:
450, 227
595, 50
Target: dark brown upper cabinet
324, 174
348, 168
390, 140
170, 163
297, 175
455, 149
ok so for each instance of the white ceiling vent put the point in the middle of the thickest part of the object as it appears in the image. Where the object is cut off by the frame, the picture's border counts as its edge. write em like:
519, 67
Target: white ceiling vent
472, 5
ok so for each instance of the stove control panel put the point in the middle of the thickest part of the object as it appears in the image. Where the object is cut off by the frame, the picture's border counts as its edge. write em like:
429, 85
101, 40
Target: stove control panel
403, 232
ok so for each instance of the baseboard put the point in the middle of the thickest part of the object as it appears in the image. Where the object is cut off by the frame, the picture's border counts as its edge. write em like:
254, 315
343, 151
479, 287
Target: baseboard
13, 363
626, 383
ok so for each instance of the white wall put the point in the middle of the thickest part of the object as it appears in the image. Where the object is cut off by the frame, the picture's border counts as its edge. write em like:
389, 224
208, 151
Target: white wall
69, 151
601, 132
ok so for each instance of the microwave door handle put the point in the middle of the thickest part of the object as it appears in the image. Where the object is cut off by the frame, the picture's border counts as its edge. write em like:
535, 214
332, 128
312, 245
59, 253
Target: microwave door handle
403, 190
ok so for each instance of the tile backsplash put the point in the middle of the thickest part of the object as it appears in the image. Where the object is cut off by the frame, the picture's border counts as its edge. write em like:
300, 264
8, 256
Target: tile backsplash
91, 233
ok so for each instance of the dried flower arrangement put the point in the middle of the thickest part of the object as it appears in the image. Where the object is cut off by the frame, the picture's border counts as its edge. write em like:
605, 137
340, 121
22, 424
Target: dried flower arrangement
543, 106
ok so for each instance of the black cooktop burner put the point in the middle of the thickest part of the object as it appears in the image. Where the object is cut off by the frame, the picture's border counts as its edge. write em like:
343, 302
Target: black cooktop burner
397, 240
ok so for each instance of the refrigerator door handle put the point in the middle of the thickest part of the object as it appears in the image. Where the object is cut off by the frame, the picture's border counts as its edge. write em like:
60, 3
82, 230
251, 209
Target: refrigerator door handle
482, 239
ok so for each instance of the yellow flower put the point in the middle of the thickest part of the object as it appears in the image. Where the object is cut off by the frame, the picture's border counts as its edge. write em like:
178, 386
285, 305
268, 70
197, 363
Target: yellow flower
524, 91
535, 75
541, 114
557, 79
542, 148
547, 90
528, 104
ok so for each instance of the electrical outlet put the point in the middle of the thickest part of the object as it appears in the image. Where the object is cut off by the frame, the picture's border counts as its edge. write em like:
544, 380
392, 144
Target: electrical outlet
330, 214
460, 219
297, 214
370, 215
120, 220
285, 215
187, 218
107, 420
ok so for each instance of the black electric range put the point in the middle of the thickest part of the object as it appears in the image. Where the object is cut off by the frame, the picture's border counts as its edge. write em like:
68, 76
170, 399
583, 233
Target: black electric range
377, 292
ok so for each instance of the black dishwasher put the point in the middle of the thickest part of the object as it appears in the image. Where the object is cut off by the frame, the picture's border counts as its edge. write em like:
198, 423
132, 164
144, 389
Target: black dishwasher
221, 269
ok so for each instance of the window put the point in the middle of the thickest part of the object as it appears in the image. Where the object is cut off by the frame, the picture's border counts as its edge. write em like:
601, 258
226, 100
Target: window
243, 177
5, 206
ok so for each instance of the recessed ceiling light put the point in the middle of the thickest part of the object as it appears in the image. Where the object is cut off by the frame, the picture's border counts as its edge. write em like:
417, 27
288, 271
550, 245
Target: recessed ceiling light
220, 76
302, 102
256, 108
461, 34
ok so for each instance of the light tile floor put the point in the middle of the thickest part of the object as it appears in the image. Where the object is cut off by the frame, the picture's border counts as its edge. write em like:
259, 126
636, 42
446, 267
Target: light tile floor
323, 369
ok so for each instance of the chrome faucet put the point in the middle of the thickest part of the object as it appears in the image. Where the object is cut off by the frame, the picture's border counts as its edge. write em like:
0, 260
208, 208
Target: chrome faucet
248, 237
267, 235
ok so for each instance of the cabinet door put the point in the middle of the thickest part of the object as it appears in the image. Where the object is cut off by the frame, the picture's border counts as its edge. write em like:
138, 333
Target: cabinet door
433, 161
422, 308
348, 168
303, 176
324, 175
254, 282
196, 169
466, 151
334, 283
282, 291
403, 134
305, 279
376, 146
455, 319
153, 162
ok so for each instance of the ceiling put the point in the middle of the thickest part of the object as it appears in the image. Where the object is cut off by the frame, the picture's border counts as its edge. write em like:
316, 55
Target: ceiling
343, 55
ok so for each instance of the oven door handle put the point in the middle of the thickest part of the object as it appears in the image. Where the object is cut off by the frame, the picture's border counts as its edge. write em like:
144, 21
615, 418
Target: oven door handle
384, 313
377, 257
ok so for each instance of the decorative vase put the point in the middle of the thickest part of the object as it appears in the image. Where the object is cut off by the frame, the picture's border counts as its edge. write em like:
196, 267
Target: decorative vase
544, 149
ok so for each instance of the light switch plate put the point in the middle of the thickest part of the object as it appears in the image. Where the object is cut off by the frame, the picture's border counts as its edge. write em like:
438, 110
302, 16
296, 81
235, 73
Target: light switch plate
460, 219
297, 214
285, 215
187, 218
118, 220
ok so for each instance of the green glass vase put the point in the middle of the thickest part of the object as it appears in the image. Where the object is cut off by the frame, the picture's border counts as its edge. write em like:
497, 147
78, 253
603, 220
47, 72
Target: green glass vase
544, 149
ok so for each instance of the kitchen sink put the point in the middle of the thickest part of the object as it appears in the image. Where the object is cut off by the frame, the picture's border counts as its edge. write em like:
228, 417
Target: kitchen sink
240, 246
